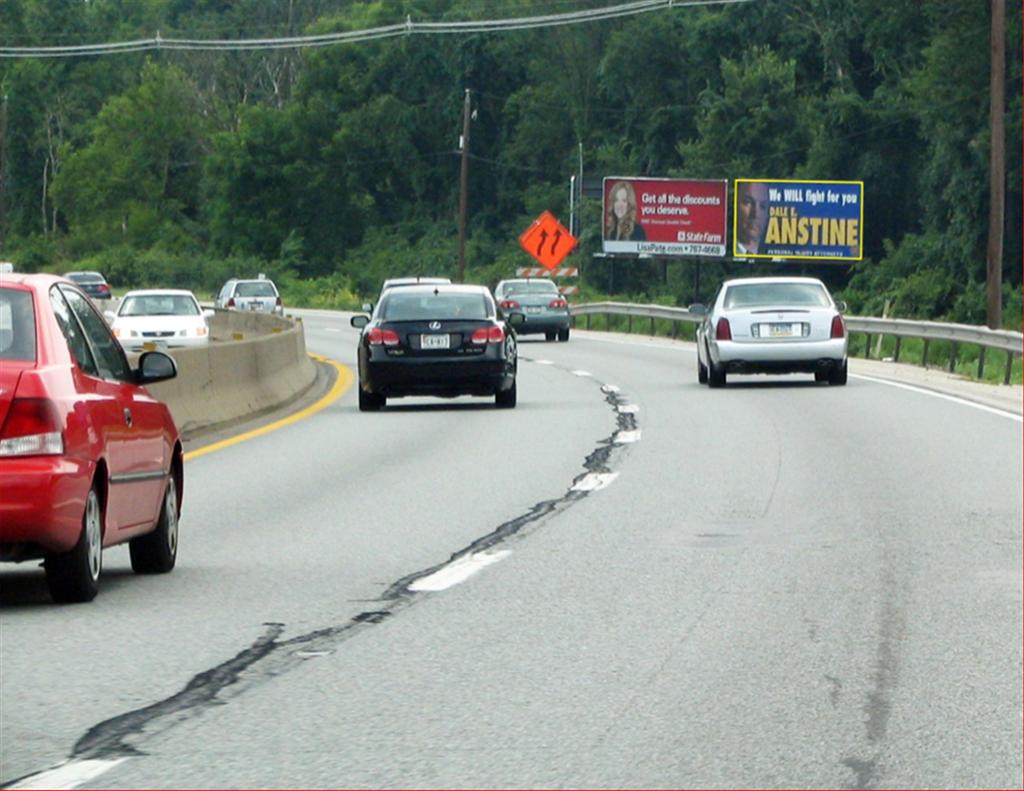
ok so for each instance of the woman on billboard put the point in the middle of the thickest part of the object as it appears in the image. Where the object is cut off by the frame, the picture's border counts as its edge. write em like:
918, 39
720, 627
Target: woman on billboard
620, 222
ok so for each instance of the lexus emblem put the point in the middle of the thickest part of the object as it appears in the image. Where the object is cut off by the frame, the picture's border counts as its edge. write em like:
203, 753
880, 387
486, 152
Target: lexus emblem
435, 325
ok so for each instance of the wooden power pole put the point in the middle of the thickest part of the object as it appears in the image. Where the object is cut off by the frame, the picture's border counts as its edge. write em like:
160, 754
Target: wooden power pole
3, 172
463, 189
997, 170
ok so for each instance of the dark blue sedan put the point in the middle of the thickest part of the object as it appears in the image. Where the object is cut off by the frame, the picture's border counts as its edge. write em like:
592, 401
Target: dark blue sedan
437, 340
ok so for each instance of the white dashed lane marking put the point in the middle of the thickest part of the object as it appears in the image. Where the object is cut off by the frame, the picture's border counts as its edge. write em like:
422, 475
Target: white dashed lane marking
457, 571
594, 481
70, 775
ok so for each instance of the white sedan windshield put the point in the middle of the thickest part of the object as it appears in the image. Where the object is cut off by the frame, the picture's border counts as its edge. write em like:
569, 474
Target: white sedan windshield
159, 305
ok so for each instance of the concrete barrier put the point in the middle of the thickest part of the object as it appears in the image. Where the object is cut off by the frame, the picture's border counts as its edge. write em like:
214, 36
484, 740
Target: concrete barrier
254, 363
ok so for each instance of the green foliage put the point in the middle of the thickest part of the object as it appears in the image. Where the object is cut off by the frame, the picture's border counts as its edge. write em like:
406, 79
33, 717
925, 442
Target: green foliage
337, 167
331, 292
140, 167
35, 253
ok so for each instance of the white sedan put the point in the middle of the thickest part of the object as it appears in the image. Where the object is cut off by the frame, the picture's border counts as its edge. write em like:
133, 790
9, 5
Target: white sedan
162, 317
772, 325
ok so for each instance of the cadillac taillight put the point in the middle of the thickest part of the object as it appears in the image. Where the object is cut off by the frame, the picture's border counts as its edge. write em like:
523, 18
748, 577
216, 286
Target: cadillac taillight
723, 332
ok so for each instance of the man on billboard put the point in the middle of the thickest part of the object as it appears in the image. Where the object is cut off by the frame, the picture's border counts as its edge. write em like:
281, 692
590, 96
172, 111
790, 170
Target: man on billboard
621, 222
752, 215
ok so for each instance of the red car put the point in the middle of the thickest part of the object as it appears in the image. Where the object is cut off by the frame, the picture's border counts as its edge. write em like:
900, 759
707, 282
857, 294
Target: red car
88, 458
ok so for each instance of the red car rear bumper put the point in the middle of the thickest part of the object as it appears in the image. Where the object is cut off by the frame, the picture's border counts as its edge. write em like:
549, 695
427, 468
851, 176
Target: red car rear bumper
42, 500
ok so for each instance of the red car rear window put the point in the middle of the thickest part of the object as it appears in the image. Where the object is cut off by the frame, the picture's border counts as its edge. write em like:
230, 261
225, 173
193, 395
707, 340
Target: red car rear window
17, 325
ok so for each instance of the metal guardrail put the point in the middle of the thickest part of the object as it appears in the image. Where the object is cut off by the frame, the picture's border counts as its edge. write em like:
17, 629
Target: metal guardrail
998, 340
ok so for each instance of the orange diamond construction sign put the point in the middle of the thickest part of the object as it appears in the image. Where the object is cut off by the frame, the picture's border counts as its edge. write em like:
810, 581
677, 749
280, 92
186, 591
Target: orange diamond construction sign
547, 240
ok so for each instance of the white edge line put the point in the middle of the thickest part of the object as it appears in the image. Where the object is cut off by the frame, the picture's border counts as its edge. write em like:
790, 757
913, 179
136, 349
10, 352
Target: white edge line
628, 409
457, 571
627, 437
70, 775
543, 362
582, 373
944, 396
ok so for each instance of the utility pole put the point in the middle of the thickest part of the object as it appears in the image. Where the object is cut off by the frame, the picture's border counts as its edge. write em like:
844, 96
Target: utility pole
997, 170
3, 172
463, 189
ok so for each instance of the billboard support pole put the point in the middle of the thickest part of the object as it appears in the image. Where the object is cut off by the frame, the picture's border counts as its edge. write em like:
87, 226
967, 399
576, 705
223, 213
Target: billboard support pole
997, 164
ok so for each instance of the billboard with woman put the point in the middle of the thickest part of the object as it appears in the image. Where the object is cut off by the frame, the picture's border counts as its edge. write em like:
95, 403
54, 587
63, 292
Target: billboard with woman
672, 217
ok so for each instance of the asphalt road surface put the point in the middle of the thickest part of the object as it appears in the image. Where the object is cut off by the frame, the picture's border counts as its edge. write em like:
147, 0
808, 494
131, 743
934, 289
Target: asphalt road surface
629, 580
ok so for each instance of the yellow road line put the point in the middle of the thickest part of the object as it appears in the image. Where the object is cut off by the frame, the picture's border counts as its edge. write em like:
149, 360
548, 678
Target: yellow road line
341, 384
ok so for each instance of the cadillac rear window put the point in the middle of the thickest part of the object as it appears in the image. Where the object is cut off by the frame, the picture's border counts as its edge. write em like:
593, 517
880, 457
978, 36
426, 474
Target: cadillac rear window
759, 295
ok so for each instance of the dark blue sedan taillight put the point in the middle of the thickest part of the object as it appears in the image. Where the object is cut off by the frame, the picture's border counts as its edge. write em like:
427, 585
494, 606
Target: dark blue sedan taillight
488, 335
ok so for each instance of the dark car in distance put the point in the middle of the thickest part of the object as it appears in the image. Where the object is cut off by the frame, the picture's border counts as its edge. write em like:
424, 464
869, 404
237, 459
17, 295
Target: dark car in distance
436, 340
92, 283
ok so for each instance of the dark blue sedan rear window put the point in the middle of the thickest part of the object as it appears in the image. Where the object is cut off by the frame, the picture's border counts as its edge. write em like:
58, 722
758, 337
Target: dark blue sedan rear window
401, 306
17, 325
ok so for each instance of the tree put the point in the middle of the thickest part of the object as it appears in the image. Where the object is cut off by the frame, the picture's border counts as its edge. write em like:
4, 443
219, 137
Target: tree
141, 166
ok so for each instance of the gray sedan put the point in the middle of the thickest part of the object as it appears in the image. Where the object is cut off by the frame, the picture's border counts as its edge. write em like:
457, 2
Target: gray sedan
546, 310
772, 325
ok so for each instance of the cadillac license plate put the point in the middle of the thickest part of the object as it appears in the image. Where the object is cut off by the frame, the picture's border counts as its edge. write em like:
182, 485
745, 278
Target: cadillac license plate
781, 330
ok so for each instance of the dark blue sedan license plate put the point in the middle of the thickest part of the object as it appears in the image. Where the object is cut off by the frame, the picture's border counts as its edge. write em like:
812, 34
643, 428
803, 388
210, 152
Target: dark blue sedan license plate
435, 342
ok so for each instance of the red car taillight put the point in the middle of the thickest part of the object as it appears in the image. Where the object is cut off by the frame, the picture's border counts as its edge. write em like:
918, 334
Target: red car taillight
377, 336
279, 303
509, 304
838, 327
558, 303
488, 335
32, 428
231, 302
723, 332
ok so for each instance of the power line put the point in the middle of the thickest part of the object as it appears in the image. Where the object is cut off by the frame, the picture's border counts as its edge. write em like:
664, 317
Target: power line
224, 24
409, 27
